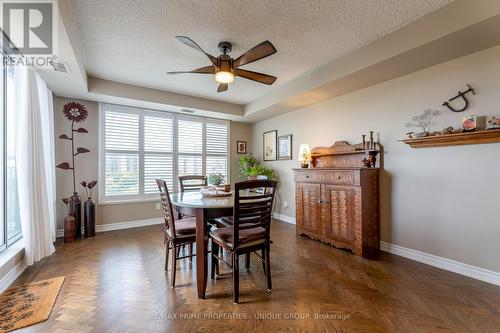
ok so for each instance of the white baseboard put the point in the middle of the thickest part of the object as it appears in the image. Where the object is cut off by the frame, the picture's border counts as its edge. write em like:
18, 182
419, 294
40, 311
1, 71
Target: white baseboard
284, 218
12, 275
120, 225
443, 263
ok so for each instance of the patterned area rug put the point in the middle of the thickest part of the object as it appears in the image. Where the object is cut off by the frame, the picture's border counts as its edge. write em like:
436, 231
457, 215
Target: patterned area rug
28, 304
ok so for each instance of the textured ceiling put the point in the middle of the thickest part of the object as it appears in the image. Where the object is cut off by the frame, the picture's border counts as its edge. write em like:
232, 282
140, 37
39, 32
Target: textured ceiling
133, 41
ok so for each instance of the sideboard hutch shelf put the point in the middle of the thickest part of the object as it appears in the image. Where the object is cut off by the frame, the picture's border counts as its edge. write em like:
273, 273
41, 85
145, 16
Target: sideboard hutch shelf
337, 199
468, 138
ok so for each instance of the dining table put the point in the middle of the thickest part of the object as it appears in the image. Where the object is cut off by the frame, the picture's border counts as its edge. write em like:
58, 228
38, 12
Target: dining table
203, 208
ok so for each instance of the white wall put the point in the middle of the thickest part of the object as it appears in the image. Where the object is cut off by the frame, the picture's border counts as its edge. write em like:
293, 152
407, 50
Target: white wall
442, 201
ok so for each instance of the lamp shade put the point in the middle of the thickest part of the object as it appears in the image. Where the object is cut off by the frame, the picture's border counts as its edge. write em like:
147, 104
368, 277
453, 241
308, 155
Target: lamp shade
304, 153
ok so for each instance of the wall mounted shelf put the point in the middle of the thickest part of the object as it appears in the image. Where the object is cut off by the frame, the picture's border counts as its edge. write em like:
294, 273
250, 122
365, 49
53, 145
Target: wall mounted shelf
468, 138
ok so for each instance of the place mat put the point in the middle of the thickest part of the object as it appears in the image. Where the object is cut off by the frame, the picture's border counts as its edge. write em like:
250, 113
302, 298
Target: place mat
28, 304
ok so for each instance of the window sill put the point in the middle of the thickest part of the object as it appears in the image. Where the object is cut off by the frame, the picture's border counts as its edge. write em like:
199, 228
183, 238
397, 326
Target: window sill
11, 252
125, 202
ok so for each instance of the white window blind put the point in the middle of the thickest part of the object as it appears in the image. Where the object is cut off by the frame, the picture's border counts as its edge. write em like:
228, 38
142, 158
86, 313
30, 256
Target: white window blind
216, 147
139, 146
190, 138
158, 152
122, 154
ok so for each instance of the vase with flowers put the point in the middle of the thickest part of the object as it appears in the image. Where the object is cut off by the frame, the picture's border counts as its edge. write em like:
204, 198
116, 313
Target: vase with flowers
89, 209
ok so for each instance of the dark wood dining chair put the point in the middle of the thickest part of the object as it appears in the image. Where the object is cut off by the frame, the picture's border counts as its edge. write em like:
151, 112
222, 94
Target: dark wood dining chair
250, 231
176, 233
192, 182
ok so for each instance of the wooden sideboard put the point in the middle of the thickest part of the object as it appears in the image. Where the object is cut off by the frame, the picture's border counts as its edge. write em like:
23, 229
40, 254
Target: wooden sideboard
338, 203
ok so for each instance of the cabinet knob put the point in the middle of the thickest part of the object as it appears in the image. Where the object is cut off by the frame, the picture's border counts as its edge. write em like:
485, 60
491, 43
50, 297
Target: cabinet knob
307, 176
339, 177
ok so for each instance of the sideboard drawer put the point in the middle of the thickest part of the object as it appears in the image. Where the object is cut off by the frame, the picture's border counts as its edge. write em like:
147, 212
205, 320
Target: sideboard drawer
341, 177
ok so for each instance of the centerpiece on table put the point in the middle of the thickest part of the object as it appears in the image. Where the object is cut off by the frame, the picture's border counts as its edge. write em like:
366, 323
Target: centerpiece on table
216, 187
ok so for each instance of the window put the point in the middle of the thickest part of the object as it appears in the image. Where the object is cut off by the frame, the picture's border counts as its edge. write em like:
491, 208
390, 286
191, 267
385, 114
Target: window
10, 230
138, 146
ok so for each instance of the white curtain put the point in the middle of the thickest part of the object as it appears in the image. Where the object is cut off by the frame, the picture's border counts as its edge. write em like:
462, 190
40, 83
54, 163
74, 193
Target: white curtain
35, 164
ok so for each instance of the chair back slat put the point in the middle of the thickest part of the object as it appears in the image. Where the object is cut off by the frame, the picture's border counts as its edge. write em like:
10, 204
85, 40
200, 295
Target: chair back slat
168, 212
253, 206
192, 182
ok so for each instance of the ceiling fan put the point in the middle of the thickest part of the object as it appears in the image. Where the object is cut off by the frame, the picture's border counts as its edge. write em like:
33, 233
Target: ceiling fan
226, 68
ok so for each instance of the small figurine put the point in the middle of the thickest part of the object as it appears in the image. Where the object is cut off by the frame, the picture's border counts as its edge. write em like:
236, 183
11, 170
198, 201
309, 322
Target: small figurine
366, 163
493, 123
447, 130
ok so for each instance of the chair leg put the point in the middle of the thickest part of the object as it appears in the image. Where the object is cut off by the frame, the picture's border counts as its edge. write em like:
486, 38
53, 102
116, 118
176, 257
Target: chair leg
175, 251
236, 278
263, 255
190, 252
167, 250
268, 269
215, 261
247, 261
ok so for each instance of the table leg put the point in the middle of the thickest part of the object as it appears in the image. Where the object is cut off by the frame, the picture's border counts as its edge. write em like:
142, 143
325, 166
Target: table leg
201, 252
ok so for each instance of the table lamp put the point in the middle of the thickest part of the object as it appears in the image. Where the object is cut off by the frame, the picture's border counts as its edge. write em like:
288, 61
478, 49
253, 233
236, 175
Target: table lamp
304, 155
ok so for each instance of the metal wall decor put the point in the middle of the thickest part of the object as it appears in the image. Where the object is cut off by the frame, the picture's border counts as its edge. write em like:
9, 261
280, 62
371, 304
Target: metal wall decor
464, 97
75, 113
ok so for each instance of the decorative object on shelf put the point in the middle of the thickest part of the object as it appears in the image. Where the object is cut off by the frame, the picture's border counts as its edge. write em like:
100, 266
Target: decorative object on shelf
89, 210
372, 145
455, 139
423, 122
215, 178
270, 151
337, 200
469, 123
464, 97
446, 131
251, 168
76, 113
363, 142
69, 224
241, 147
493, 123
285, 147
304, 156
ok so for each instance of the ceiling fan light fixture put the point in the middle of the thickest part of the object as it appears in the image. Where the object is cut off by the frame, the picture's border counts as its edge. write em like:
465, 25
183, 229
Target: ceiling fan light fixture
224, 77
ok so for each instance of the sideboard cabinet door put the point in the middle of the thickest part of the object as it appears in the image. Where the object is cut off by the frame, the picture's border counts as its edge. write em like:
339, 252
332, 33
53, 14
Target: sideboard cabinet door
340, 213
308, 209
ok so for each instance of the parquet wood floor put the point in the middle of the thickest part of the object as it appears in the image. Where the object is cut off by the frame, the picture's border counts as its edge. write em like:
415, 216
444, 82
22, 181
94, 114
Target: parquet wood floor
115, 283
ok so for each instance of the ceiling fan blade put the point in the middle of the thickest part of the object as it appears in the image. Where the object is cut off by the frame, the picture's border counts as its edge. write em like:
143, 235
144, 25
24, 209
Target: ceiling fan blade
259, 77
264, 49
189, 42
201, 70
222, 87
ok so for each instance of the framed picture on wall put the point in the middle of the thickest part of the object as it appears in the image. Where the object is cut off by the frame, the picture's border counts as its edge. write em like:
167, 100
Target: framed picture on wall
285, 147
270, 151
241, 147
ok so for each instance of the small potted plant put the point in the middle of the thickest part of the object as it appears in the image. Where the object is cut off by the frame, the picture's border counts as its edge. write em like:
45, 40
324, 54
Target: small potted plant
215, 178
